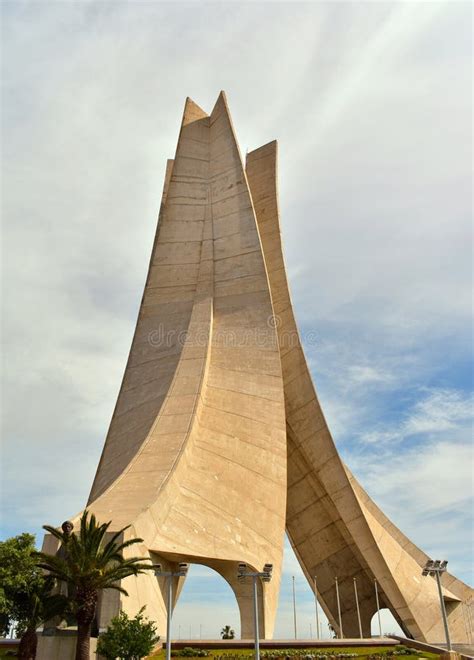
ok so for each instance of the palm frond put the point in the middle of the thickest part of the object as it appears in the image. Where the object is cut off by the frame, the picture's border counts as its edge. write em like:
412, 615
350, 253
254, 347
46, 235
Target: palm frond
127, 544
53, 564
55, 532
91, 563
112, 546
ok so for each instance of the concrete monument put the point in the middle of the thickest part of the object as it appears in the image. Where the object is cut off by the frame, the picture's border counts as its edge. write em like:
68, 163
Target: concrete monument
218, 444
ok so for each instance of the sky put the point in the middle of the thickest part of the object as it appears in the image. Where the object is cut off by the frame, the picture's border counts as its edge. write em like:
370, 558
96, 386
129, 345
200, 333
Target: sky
371, 105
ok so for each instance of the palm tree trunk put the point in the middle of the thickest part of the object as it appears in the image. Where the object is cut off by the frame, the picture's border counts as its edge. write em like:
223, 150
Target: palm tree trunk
28, 644
87, 599
83, 641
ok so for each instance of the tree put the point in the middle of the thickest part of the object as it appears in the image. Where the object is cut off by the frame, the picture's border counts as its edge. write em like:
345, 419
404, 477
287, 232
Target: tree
128, 639
26, 596
227, 633
18, 571
87, 563
36, 606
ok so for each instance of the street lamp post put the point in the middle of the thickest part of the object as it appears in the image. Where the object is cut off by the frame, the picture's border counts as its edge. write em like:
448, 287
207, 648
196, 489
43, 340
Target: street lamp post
169, 575
358, 610
266, 576
316, 605
341, 633
294, 608
434, 568
378, 607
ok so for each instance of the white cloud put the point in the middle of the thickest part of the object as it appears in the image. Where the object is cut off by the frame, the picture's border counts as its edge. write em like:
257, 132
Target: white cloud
439, 411
367, 374
434, 479
436, 411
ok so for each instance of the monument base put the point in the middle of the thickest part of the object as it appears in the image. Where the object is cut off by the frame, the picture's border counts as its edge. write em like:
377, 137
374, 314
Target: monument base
62, 647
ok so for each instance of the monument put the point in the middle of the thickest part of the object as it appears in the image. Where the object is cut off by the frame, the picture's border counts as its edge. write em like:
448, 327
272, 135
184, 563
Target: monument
217, 443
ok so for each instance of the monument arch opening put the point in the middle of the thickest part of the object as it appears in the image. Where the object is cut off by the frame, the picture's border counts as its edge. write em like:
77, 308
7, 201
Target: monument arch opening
205, 590
388, 623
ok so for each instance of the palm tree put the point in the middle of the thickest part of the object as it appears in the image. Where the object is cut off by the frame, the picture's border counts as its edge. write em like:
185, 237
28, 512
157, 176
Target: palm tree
89, 564
227, 633
37, 605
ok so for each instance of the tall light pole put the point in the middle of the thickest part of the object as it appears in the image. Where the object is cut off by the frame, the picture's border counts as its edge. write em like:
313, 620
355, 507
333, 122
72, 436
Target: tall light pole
265, 576
341, 634
316, 605
358, 610
378, 607
294, 608
169, 575
434, 568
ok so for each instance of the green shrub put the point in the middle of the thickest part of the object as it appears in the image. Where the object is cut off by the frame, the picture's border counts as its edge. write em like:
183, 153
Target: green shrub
128, 639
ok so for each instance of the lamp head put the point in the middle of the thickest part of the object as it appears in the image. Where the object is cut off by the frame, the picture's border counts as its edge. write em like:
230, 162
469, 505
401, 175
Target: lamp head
267, 572
434, 566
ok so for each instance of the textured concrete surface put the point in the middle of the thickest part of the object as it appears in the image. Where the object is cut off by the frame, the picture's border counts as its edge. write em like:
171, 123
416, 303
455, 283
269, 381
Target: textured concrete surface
218, 442
61, 647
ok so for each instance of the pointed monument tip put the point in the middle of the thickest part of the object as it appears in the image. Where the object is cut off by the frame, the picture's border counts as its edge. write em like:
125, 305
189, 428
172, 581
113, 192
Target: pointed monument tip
192, 112
222, 98
190, 103
221, 102
268, 149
